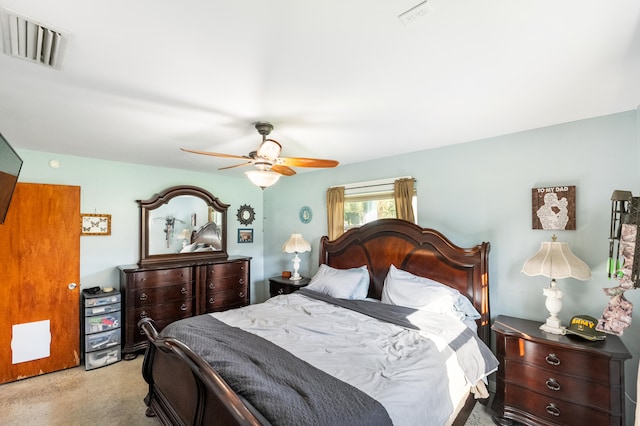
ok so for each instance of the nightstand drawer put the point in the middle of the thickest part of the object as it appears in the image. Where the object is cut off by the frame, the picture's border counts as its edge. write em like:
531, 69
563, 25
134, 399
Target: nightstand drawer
277, 289
555, 411
557, 385
558, 359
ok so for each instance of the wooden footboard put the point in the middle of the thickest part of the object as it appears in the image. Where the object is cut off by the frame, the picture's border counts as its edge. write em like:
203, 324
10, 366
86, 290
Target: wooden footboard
185, 390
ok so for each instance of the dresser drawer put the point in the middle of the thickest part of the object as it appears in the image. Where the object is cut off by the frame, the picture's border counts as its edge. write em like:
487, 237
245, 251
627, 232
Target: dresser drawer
561, 386
162, 277
163, 314
226, 283
153, 295
228, 270
555, 411
227, 299
562, 360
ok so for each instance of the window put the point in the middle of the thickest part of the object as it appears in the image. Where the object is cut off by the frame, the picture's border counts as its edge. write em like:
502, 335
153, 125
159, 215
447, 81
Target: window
365, 202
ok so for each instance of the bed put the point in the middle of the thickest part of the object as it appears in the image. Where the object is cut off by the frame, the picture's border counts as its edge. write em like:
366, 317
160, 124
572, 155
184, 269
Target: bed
193, 371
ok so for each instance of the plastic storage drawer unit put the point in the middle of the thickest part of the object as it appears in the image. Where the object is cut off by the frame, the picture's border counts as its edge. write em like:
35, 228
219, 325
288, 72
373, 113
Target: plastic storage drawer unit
101, 328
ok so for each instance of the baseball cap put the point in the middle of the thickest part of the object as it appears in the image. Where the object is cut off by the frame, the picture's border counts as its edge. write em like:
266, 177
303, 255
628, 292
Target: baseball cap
585, 327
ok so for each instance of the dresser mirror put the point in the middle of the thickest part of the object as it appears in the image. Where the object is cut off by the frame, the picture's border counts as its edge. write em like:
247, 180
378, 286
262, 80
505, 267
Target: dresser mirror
182, 224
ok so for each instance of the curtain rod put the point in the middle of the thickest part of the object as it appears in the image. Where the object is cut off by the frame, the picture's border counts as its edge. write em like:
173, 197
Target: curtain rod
371, 183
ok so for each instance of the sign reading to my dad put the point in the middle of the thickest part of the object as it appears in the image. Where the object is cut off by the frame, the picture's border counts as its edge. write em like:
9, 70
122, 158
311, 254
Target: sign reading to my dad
553, 207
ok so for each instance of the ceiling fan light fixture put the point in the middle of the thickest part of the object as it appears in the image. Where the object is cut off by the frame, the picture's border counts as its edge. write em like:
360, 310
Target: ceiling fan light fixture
262, 178
269, 150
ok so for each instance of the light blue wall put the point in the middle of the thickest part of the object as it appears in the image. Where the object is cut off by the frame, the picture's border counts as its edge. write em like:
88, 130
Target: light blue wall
481, 191
113, 188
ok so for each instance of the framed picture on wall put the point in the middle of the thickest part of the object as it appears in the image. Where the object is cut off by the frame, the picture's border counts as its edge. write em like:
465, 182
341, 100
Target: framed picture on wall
554, 207
95, 224
245, 235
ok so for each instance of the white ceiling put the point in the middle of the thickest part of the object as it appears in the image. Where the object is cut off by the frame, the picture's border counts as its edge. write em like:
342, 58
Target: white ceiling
339, 79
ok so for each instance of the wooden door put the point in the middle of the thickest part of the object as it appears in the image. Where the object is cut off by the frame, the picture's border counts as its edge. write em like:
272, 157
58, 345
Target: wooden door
40, 281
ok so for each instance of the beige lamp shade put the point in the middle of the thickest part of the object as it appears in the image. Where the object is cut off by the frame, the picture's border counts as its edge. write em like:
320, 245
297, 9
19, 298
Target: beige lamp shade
296, 244
555, 260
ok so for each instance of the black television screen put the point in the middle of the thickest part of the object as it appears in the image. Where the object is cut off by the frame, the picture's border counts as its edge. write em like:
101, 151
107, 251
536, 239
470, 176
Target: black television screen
10, 165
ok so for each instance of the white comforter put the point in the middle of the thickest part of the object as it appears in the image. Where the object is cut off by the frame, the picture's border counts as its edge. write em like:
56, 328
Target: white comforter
412, 373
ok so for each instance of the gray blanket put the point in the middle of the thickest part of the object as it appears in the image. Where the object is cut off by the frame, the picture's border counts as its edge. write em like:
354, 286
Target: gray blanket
285, 389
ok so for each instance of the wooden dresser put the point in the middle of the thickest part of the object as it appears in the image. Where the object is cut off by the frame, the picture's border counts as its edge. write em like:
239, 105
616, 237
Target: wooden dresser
169, 292
548, 379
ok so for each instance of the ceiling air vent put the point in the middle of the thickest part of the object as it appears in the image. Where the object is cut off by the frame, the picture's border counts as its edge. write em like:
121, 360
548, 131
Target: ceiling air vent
28, 39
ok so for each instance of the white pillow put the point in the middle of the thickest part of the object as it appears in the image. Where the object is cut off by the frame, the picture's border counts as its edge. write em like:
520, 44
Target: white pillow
406, 289
341, 283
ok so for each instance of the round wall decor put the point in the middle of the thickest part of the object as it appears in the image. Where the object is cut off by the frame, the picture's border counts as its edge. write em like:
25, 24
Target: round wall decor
305, 214
246, 215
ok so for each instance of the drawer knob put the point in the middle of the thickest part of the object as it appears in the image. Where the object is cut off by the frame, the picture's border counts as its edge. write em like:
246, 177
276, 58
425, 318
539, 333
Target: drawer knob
211, 301
183, 307
552, 359
183, 290
241, 281
211, 286
143, 314
552, 384
144, 296
553, 410
241, 294
280, 290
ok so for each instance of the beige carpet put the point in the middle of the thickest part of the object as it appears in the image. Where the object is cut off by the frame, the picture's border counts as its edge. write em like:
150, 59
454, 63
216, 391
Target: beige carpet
112, 395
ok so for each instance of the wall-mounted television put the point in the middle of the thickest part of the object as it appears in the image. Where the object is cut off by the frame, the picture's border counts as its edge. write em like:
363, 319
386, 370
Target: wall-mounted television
10, 165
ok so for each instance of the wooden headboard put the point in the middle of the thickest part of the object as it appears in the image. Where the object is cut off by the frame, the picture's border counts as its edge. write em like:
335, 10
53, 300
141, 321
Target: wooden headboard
421, 251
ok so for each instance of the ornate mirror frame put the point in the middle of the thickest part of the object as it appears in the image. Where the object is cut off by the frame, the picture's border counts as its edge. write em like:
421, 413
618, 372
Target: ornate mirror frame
147, 207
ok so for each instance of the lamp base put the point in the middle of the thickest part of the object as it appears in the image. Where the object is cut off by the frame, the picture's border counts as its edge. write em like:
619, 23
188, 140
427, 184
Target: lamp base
553, 326
553, 329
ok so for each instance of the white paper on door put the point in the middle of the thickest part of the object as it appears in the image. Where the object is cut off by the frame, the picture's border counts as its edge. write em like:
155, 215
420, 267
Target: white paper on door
30, 341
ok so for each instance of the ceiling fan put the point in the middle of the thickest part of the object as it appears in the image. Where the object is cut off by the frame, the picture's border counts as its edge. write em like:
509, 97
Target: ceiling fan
266, 159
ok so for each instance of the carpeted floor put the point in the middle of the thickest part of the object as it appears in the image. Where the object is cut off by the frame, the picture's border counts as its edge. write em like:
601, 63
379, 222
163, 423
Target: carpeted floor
111, 395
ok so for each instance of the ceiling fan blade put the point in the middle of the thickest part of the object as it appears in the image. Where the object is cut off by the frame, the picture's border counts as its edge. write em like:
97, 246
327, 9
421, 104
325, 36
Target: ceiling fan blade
248, 163
283, 170
215, 154
307, 162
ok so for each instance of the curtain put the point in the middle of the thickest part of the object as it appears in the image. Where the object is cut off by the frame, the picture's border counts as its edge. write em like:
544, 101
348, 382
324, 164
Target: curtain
403, 194
335, 212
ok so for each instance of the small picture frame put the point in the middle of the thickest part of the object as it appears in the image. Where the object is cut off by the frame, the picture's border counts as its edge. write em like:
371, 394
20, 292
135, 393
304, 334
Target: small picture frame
245, 235
553, 207
95, 224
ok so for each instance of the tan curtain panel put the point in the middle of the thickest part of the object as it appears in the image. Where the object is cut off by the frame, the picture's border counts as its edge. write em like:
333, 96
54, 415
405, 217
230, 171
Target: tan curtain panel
335, 212
403, 194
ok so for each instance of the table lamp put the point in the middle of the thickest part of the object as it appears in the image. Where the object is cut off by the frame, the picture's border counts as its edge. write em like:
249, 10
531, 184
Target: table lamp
556, 261
296, 244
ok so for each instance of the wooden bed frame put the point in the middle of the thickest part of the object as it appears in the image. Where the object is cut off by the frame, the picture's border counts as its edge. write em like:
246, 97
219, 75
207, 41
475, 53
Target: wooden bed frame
185, 390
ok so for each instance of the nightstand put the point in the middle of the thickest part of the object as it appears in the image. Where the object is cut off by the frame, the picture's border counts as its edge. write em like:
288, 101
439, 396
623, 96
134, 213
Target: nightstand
280, 285
549, 379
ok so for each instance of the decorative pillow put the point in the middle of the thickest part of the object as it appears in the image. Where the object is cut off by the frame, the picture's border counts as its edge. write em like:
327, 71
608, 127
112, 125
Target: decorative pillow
190, 248
406, 289
341, 283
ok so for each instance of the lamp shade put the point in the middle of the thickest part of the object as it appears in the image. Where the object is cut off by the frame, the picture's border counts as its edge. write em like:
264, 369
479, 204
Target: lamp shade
262, 178
184, 235
555, 260
296, 244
